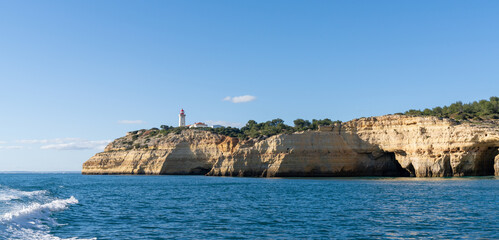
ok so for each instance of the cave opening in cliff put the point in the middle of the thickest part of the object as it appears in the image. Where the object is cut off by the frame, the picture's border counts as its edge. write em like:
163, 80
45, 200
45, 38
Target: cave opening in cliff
398, 170
485, 162
410, 169
199, 171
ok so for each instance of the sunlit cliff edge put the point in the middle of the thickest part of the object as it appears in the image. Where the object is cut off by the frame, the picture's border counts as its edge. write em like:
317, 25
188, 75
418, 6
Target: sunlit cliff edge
391, 145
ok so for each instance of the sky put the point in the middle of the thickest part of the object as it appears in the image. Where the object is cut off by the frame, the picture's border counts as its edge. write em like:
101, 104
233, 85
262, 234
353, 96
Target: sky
75, 75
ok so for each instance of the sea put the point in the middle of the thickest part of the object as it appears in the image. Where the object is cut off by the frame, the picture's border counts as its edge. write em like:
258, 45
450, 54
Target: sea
75, 206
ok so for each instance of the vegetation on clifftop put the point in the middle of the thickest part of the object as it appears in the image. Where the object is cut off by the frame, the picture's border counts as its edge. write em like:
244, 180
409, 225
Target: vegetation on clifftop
477, 110
252, 129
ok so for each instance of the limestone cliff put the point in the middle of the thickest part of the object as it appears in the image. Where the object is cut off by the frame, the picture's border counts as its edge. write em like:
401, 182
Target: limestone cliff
392, 145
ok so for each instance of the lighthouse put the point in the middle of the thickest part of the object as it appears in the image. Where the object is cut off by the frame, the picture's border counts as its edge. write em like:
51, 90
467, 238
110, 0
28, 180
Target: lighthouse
181, 118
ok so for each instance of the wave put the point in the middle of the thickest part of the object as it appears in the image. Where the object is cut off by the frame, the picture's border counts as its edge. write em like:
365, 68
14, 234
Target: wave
8, 194
32, 220
37, 211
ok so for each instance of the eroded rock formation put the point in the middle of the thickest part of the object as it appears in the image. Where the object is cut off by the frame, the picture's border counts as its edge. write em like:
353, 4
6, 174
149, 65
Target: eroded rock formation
391, 145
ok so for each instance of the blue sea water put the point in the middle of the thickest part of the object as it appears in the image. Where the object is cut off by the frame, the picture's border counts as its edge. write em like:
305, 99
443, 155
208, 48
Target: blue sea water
74, 206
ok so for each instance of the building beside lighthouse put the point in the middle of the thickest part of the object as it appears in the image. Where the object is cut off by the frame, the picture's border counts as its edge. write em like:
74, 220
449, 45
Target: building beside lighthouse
181, 118
198, 125
181, 122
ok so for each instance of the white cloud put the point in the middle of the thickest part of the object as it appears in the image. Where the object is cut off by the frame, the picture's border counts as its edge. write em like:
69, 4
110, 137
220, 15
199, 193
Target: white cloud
240, 99
11, 147
67, 143
131, 122
3, 142
225, 123
45, 141
78, 145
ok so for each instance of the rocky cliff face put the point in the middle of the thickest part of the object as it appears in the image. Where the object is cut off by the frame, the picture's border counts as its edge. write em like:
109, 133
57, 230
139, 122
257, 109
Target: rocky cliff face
191, 152
428, 146
390, 145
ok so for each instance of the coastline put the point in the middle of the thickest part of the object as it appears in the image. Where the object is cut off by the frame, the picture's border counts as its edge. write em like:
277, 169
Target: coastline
390, 145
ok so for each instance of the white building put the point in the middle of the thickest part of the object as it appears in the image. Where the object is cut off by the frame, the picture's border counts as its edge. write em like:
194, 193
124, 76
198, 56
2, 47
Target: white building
181, 122
181, 118
198, 125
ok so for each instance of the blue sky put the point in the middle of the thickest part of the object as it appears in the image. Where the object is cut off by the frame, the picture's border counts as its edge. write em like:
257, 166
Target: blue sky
76, 74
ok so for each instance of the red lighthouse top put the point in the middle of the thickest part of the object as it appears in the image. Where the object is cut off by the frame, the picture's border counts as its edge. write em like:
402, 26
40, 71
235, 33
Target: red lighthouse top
182, 112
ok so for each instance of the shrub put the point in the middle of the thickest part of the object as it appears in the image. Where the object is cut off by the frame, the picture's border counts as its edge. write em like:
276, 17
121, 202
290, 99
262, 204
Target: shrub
481, 110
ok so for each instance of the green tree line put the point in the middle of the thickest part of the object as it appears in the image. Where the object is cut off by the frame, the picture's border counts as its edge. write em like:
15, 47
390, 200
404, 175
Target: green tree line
253, 129
477, 110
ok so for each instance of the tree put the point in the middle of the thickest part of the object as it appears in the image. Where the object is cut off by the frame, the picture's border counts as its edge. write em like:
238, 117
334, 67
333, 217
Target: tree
483, 109
276, 122
301, 124
251, 123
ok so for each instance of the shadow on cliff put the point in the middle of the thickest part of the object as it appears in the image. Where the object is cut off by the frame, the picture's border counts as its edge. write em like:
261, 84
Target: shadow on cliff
347, 156
482, 160
183, 161
343, 154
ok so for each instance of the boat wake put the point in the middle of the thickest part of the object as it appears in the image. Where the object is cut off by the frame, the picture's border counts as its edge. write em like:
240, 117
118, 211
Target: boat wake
7, 194
28, 214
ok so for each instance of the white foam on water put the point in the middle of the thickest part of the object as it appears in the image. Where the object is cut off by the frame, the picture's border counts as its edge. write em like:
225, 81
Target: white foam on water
37, 235
32, 220
26, 214
8, 194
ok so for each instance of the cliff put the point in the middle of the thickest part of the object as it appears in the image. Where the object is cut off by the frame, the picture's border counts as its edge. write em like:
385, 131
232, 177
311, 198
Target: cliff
392, 145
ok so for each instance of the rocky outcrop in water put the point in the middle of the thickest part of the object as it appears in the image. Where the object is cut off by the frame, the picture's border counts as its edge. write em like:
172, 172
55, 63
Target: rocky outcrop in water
391, 145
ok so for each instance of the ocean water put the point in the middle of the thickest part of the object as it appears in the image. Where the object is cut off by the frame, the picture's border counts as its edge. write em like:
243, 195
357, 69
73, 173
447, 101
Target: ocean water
73, 206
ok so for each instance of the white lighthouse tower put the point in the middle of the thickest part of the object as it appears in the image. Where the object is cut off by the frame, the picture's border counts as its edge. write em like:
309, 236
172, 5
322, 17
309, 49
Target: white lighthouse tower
181, 118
